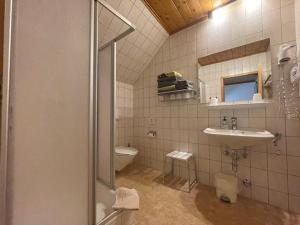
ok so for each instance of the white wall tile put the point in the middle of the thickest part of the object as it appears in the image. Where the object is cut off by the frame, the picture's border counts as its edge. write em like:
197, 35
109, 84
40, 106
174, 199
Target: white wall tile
259, 160
278, 182
293, 146
277, 163
294, 185
294, 203
203, 165
259, 177
293, 165
260, 194
278, 199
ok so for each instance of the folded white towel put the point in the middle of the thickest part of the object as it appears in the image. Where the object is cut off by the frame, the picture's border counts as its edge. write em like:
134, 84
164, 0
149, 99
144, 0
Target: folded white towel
127, 199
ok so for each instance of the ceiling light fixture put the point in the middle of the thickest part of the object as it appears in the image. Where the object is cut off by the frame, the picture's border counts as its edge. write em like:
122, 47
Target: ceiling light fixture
218, 14
218, 5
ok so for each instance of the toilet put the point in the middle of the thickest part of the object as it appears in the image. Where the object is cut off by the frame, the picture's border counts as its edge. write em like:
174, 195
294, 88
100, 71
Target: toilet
124, 156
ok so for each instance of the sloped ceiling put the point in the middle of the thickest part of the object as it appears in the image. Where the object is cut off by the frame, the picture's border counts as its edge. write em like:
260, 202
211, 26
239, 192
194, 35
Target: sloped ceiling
135, 51
175, 15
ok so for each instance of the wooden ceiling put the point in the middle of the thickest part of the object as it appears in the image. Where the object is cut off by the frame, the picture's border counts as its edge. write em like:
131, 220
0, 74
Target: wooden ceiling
175, 15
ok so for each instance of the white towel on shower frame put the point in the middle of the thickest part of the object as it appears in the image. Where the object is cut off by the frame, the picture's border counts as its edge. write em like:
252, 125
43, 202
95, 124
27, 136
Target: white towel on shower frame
127, 199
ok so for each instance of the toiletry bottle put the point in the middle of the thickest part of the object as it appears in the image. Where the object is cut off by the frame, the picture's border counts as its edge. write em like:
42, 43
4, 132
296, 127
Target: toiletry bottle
224, 124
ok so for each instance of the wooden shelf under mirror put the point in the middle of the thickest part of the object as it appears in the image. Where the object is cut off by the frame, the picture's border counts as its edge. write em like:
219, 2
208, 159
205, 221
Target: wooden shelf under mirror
235, 53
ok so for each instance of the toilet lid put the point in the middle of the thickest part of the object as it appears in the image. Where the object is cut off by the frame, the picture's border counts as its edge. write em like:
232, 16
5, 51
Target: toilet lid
126, 150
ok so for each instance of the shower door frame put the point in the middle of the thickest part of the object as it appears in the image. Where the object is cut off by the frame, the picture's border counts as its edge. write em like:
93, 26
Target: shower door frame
117, 14
8, 20
93, 121
113, 45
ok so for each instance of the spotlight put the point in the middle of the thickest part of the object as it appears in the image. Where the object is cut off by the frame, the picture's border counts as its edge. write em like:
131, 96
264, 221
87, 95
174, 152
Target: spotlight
217, 6
217, 3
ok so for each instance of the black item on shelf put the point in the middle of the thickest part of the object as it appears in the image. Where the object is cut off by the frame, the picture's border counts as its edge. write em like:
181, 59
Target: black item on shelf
167, 89
184, 84
165, 83
188, 87
162, 79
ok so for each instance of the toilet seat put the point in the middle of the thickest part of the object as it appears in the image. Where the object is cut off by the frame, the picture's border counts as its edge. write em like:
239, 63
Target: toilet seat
120, 150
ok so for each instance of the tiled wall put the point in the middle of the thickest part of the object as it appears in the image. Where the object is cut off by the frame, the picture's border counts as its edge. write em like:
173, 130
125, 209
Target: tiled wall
274, 171
135, 51
124, 114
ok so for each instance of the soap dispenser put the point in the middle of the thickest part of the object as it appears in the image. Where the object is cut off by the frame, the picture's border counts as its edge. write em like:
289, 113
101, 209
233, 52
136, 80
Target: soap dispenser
224, 124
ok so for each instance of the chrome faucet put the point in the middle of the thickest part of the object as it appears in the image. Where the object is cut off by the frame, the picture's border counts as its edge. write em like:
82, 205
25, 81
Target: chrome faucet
234, 123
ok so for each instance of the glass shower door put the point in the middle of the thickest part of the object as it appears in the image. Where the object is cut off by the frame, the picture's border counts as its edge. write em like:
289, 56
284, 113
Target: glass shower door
106, 115
105, 126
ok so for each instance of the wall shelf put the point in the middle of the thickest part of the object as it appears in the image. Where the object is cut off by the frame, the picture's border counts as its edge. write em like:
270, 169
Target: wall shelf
176, 92
177, 95
238, 105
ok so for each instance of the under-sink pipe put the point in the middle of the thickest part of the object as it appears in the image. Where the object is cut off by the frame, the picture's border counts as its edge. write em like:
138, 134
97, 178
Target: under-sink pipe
236, 155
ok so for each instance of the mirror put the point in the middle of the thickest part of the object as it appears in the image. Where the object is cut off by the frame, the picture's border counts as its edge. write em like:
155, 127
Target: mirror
231, 78
241, 87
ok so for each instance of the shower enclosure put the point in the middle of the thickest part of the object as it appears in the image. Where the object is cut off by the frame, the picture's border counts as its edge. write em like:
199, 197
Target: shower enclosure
103, 115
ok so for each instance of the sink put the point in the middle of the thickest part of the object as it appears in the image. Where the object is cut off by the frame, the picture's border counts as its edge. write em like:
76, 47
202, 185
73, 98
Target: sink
239, 138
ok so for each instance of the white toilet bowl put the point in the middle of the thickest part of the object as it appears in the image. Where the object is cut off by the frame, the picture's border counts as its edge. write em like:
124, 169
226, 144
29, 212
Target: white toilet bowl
124, 156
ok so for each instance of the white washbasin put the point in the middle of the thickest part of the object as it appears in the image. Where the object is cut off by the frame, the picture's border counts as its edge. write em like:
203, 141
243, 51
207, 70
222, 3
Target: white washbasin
239, 138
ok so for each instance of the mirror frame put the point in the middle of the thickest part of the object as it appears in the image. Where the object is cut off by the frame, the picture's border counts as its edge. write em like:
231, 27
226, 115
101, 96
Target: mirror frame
259, 78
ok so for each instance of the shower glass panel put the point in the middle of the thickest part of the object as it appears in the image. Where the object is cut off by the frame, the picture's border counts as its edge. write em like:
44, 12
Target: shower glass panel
106, 115
104, 108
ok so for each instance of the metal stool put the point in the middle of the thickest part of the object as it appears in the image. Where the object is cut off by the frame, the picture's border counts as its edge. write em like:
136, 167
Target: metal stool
183, 156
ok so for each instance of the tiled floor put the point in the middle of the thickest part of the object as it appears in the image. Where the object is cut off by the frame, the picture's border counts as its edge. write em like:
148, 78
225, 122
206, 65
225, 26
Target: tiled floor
163, 205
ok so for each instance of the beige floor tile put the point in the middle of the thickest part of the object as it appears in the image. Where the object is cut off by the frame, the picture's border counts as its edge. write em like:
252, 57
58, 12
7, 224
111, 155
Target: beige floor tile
163, 205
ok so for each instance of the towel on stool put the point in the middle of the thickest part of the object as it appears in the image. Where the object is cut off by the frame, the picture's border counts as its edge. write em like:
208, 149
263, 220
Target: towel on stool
127, 199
